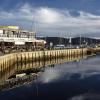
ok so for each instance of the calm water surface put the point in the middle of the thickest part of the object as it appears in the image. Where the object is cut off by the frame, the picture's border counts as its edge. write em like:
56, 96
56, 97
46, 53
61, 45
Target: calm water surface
67, 81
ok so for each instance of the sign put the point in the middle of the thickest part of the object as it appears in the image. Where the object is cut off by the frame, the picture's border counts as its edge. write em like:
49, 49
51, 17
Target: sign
9, 27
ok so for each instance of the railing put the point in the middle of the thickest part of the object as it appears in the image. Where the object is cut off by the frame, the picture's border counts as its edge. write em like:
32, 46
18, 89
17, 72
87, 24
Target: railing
17, 36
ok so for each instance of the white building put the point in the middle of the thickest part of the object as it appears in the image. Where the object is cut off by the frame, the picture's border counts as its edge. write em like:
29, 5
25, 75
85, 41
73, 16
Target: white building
13, 34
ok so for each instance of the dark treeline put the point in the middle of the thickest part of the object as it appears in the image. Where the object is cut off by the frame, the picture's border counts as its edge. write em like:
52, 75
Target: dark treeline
74, 41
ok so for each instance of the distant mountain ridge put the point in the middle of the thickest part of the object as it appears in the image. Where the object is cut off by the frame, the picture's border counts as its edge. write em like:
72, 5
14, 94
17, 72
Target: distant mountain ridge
74, 41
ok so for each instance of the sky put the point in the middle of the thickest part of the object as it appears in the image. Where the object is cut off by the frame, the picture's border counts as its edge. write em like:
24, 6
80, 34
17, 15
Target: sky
53, 17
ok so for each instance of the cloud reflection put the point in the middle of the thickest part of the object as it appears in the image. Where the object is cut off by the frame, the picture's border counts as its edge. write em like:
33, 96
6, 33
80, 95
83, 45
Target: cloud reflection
87, 96
49, 75
73, 70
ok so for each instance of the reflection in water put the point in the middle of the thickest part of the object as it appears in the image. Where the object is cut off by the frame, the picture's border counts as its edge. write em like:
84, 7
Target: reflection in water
87, 96
26, 71
79, 70
61, 80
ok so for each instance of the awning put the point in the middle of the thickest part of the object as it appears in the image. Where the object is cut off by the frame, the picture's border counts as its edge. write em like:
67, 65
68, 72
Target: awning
30, 40
22, 40
8, 40
19, 43
40, 41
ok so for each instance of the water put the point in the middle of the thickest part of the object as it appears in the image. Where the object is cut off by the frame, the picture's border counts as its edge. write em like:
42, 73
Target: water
77, 80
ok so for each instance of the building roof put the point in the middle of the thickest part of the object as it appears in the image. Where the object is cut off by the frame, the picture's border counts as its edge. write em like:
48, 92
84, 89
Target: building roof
9, 27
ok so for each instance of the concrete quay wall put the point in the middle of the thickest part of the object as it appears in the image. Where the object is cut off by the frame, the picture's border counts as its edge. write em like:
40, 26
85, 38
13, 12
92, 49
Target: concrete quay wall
15, 58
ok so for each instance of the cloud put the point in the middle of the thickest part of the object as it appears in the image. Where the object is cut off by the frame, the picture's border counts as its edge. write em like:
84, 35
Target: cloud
51, 21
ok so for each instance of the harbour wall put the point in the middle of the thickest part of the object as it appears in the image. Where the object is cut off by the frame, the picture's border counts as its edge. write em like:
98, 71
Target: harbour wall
24, 62
17, 58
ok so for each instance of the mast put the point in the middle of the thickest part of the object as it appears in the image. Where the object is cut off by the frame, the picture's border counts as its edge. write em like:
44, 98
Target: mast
60, 39
33, 26
80, 40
